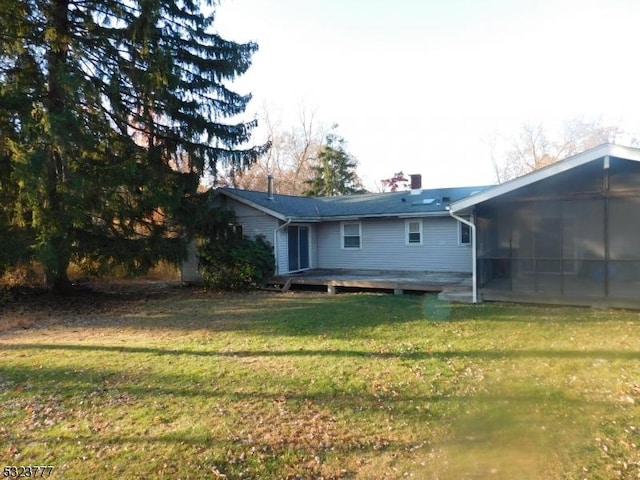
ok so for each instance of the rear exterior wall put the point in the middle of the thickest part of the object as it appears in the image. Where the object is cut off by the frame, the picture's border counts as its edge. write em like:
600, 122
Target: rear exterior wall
253, 221
384, 247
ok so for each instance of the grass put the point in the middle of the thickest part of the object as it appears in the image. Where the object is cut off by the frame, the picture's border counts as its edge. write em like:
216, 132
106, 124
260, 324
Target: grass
271, 386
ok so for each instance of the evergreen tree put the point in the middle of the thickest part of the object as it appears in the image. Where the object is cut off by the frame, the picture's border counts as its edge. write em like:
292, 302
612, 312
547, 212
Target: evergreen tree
335, 174
110, 112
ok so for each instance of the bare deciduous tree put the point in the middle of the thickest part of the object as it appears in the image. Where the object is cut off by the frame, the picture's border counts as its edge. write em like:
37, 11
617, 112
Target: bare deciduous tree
290, 159
533, 148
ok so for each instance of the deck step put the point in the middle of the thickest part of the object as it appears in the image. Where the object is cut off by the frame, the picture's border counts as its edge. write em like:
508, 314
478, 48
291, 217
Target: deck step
287, 285
275, 288
461, 296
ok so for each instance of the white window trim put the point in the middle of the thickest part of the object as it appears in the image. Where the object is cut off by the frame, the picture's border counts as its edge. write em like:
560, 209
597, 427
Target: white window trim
406, 232
342, 225
460, 242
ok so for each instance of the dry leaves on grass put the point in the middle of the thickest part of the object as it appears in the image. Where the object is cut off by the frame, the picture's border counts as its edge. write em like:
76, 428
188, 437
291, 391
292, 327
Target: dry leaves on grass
305, 436
88, 303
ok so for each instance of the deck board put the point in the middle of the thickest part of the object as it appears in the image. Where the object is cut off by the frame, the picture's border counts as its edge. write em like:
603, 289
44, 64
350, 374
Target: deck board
398, 281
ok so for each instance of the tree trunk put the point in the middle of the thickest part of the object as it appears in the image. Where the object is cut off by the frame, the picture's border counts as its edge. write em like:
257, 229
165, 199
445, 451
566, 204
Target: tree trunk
56, 277
56, 254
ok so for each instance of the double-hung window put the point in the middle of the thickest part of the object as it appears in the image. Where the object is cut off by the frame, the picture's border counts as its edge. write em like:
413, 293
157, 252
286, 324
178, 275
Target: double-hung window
351, 235
464, 237
413, 230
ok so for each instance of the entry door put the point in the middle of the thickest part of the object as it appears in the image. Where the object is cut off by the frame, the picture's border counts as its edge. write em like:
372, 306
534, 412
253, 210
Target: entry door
298, 248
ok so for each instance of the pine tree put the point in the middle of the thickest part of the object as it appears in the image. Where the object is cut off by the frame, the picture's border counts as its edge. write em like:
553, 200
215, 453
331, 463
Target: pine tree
335, 174
110, 112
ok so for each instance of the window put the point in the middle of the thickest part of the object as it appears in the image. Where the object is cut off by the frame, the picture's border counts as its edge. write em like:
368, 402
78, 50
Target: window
229, 231
465, 234
351, 233
414, 232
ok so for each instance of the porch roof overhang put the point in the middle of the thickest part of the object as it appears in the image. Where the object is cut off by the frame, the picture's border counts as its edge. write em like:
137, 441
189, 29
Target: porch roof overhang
465, 205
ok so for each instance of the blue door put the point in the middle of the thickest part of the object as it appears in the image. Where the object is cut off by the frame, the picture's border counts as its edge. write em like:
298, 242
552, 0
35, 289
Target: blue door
298, 247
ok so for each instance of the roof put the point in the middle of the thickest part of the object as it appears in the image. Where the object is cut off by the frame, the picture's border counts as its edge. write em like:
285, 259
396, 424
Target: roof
606, 150
427, 202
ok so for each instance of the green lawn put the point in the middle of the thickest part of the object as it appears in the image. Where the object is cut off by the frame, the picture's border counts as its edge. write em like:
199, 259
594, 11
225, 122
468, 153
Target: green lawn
186, 384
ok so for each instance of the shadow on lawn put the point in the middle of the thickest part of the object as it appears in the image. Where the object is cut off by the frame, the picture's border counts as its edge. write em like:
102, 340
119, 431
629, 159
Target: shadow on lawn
263, 313
92, 386
400, 355
345, 316
492, 420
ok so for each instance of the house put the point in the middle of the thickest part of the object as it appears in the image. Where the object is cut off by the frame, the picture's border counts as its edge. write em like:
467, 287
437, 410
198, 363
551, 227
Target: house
409, 231
568, 233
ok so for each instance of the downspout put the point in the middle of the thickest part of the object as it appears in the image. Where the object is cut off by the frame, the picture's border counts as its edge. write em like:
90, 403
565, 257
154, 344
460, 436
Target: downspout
275, 244
474, 254
605, 188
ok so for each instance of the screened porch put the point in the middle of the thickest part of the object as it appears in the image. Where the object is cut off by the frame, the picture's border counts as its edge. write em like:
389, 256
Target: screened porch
571, 238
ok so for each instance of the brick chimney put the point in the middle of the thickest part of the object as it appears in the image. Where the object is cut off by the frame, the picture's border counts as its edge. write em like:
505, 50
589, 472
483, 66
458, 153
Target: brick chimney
416, 184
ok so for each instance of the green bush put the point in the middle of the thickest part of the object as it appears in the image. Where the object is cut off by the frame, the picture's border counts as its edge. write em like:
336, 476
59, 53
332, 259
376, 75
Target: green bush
233, 262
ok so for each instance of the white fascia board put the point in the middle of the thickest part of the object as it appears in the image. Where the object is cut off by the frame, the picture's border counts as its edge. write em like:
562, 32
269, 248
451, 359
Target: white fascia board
607, 149
304, 219
389, 215
444, 213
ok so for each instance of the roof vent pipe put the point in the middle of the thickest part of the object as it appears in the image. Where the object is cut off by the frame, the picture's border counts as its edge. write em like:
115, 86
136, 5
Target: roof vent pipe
270, 187
416, 184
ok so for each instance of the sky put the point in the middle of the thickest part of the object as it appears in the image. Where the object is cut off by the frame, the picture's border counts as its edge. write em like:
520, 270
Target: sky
422, 86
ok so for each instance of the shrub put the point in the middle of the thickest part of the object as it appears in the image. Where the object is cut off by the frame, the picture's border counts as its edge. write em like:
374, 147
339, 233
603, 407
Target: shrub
234, 262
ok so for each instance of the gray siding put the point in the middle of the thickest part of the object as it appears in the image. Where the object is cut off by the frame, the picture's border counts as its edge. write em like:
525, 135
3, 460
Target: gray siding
383, 244
282, 261
383, 247
254, 222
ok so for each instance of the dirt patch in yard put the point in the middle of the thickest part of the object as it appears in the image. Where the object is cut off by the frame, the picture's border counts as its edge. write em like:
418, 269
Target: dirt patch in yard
32, 307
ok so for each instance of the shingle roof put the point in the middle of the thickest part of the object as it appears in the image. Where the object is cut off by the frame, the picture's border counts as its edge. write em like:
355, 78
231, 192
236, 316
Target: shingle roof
429, 202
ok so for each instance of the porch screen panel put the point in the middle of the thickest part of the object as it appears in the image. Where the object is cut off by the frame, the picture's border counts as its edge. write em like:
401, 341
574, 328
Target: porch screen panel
624, 175
494, 248
537, 248
623, 268
583, 248
522, 265
559, 248
548, 248
624, 247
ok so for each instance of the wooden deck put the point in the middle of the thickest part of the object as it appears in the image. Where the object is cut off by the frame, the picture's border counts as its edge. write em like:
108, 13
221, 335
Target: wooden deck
396, 281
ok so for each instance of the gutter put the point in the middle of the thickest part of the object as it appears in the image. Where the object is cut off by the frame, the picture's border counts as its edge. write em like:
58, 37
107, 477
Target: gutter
367, 216
474, 254
275, 243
